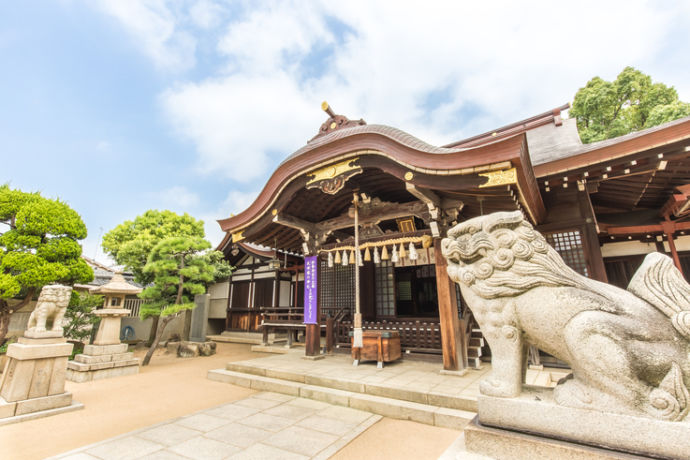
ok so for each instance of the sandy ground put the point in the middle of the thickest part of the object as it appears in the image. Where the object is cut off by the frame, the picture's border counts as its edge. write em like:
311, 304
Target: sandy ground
171, 387
391, 438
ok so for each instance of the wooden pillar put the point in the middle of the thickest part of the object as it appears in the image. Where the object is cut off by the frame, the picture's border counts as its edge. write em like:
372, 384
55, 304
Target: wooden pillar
593, 256
448, 314
669, 228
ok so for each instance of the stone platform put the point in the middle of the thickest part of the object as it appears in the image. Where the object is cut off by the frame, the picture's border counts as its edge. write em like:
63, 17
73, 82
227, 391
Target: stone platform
102, 362
562, 431
498, 444
407, 389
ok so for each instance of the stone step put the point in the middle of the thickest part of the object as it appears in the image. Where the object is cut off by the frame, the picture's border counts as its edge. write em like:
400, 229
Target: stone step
474, 352
253, 338
401, 393
475, 363
476, 342
430, 414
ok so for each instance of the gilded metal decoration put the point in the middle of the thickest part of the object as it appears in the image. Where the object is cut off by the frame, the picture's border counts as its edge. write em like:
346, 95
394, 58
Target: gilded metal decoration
331, 179
238, 236
502, 177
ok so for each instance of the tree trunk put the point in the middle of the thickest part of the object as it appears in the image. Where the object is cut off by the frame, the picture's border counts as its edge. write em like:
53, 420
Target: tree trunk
4, 320
152, 332
6, 311
159, 334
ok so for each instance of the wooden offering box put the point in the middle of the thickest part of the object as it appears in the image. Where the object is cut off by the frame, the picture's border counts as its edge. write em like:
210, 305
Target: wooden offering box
379, 346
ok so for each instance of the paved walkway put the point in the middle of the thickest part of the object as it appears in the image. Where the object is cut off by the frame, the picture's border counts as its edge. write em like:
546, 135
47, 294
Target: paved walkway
262, 426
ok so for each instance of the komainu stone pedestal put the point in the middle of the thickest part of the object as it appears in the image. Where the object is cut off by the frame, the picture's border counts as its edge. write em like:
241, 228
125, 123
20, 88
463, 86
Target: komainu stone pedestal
520, 427
34, 377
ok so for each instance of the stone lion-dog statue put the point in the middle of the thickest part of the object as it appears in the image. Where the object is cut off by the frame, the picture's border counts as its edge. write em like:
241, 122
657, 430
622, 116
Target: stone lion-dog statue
629, 350
50, 309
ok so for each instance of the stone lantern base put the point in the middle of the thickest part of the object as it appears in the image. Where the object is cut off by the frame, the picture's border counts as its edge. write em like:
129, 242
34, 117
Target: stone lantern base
102, 362
107, 357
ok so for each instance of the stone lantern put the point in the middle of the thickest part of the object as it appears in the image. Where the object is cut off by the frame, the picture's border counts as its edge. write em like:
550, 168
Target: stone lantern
107, 357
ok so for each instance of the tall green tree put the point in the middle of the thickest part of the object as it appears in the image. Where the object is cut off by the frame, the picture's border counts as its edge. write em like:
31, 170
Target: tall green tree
131, 242
606, 109
180, 267
39, 246
79, 317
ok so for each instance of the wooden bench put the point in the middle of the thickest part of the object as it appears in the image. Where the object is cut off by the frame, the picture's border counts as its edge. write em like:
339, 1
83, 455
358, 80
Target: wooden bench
290, 320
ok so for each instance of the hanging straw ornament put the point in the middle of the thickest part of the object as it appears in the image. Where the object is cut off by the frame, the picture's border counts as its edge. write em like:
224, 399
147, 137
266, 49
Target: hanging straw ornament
413, 251
330, 260
344, 258
337, 257
394, 256
360, 262
402, 251
377, 259
384, 253
367, 255
352, 257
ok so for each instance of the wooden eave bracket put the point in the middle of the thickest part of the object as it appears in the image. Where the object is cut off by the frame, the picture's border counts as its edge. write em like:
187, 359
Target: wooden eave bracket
428, 197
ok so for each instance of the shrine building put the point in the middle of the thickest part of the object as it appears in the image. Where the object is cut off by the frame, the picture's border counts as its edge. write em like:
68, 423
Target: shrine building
602, 206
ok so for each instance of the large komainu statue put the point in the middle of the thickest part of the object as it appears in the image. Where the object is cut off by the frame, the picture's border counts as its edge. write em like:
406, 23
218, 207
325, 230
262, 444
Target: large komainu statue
50, 309
629, 349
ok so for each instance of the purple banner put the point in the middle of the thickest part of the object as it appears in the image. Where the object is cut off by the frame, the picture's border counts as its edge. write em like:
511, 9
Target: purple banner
310, 290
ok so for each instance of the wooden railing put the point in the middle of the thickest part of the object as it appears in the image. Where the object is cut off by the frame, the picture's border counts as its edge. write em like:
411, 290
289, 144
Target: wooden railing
279, 315
415, 335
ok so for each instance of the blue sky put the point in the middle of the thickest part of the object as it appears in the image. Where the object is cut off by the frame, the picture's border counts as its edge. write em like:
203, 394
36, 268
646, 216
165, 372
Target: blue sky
119, 106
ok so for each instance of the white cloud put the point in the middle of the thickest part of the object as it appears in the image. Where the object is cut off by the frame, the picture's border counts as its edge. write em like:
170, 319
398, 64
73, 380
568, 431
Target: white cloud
179, 198
154, 25
205, 13
237, 121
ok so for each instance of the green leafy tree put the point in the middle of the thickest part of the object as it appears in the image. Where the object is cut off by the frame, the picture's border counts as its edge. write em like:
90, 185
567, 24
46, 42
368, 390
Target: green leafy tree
39, 246
180, 268
606, 109
78, 313
131, 242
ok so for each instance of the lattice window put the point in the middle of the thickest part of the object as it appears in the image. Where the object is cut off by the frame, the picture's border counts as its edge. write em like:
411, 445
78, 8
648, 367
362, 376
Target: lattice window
570, 247
385, 289
336, 288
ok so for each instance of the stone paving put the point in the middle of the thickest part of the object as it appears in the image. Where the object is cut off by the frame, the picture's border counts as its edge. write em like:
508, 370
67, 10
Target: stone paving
262, 426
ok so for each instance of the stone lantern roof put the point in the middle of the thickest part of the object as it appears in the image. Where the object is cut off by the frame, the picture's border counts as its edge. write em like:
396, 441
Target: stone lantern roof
117, 285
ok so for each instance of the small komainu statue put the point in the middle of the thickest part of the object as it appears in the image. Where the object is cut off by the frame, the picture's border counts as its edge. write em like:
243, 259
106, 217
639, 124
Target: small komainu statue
629, 349
50, 309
